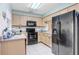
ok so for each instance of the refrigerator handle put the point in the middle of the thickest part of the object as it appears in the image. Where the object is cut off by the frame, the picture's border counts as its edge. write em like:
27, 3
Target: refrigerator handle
59, 30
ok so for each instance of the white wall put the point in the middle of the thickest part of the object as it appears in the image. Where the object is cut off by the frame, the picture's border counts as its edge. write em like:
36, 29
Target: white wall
4, 7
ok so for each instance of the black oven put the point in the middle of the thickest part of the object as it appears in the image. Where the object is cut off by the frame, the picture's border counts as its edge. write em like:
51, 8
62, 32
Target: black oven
30, 30
31, 34
32, 38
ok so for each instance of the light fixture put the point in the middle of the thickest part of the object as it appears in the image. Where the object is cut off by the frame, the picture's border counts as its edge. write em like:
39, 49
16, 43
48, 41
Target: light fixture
35, 5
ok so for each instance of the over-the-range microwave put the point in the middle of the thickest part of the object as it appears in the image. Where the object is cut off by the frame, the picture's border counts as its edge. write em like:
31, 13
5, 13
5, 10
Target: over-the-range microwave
31, 23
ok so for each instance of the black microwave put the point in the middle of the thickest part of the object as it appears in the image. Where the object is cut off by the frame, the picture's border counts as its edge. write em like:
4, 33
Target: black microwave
31, 23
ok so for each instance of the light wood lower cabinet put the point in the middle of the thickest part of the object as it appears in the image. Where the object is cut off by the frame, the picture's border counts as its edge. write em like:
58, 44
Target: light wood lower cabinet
14, 47
44, 38
40, 37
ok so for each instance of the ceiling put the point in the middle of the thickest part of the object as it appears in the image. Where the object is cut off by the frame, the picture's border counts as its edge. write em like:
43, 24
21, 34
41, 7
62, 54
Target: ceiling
44, 9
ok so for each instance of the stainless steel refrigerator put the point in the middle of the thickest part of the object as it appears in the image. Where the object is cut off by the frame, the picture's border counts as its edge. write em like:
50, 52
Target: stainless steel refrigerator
65, 34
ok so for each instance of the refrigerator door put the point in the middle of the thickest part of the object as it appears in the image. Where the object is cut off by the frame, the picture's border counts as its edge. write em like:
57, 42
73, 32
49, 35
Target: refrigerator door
77, 48
55, 36
67, 34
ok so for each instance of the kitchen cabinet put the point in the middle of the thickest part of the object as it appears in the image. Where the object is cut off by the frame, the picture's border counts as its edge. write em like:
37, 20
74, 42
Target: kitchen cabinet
23, 20
40, 36
40, 22
44, 38
32, 18
13, 47
45, 20
19, 20
16, 20
50, 27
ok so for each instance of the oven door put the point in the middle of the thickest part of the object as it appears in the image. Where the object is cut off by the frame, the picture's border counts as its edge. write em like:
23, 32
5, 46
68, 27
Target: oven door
32, 36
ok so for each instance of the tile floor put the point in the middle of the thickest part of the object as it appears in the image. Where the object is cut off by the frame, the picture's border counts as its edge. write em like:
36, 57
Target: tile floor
38, 49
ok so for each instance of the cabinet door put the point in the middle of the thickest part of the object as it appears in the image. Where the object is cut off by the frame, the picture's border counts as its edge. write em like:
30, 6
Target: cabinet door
40, 36
16, 47
44, 21
23, 20
45, 39
40, 22
15, 20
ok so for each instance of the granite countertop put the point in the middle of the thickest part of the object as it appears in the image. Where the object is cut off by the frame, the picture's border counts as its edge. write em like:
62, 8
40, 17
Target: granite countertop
15, 37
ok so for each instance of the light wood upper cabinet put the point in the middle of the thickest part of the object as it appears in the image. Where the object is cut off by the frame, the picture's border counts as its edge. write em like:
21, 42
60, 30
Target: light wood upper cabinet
38, 20
31, 18
40, 23
23, 20
16, 20
19, 20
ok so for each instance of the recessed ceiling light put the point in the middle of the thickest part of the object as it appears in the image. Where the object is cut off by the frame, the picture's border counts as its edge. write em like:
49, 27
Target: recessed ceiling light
35, 5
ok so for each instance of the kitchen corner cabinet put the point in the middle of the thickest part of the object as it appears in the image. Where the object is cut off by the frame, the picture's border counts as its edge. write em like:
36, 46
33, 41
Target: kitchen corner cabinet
44, 38
40, 22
